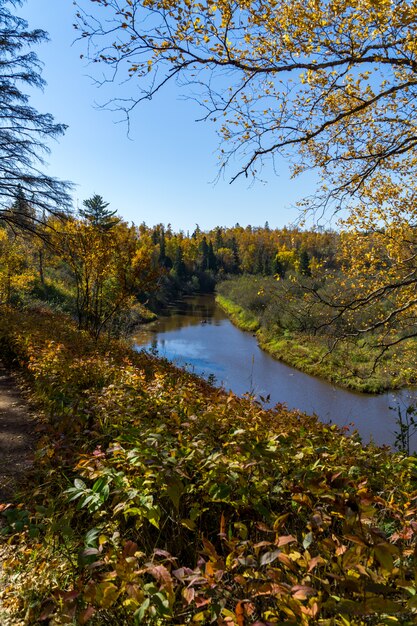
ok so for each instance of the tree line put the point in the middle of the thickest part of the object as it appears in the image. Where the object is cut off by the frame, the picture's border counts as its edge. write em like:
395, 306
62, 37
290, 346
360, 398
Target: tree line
97, 265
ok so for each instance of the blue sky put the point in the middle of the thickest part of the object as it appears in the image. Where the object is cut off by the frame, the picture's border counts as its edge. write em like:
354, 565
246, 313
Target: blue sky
163, 172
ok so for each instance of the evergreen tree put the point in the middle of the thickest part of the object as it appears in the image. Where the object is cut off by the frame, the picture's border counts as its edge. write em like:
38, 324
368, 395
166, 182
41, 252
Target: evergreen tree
155, 235
22, 213
305, 263
267, 264
162, 251
163, 259
97, 214
196, 232
211, 258
23, 130
179, 265
258, 265
278, 268
235, 249
218, 238
204, 250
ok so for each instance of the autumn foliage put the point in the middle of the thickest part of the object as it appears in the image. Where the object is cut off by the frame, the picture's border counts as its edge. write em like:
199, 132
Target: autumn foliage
158, 499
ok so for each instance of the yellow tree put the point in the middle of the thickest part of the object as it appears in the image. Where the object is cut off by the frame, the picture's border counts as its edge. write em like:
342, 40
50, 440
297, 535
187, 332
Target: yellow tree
109, 267
330, 84
336, 78
16, 273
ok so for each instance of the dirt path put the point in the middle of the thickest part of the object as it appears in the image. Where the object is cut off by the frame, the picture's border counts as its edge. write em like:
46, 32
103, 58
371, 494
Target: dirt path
17, 437
17, 442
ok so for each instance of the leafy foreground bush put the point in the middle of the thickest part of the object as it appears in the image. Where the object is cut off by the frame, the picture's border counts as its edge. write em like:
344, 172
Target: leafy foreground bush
158, 499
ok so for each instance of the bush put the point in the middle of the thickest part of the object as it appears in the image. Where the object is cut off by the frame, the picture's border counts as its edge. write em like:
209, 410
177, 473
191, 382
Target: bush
160, 499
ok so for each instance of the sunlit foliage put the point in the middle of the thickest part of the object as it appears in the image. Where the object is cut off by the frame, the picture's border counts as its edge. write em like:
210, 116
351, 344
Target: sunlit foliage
109, 266
328, 84
162, 500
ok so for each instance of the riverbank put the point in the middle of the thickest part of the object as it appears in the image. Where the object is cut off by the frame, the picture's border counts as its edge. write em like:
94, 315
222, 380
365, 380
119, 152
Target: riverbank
348, 364
155, 499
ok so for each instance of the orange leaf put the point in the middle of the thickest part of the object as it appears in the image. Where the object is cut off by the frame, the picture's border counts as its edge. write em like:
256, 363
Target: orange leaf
240, 614
222, 525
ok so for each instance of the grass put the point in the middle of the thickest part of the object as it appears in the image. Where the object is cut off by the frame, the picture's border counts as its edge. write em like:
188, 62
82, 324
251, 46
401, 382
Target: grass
241, 317
349, 364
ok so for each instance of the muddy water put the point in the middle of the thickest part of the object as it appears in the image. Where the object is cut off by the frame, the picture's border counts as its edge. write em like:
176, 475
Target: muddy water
197, 334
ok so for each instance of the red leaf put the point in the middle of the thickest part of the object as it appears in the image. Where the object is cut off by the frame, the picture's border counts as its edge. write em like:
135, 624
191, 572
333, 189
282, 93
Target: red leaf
284, 540
86, 615
130, 548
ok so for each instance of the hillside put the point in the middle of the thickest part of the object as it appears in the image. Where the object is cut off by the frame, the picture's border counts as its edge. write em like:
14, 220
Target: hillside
159, 499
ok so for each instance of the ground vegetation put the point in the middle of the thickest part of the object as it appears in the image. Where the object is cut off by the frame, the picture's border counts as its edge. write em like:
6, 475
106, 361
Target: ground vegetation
158, 499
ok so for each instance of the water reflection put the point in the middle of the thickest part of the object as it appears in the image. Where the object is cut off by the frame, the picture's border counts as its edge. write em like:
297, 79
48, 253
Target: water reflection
196, 333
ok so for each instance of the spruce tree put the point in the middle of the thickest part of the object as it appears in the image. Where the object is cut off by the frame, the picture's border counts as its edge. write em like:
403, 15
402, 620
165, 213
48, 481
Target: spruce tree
305, 263
179, 265
204, 250
97, 213
22, 213
211, 258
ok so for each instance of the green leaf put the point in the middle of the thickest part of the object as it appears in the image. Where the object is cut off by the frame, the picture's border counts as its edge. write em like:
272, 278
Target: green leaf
141, 612
153, 515
220, 492
188, 523
384, 556
382, 605
174, 491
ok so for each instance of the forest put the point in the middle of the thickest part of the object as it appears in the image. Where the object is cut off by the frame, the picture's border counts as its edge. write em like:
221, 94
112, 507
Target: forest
183, 503
149, 495
300, 290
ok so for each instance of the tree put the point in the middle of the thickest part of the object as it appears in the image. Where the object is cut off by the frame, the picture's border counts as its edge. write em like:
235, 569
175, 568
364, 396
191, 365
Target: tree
108, 268
335, 79
211, 258
16, 274
21, 212
304, 263
23, 130
97, 213
330, 85
204, 254
179, 266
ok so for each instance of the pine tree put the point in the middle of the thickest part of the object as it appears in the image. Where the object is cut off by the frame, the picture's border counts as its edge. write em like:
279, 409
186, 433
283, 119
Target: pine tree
305, 263
97, 214
23, 130
211, 258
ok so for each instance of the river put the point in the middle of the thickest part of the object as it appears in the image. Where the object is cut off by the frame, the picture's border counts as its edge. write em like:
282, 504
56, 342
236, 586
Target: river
196, 333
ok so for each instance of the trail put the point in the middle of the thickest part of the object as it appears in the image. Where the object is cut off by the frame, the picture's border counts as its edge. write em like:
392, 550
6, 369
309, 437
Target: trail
17, 437
17, 442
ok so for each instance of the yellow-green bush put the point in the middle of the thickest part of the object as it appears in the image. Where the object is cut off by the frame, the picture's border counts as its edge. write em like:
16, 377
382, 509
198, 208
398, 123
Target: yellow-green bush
158, 499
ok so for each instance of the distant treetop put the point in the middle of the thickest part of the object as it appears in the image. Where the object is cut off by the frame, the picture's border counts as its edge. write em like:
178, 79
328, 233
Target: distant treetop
97, 213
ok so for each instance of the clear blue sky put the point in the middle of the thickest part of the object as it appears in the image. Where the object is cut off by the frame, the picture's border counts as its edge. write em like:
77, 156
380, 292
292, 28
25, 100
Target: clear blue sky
161, 173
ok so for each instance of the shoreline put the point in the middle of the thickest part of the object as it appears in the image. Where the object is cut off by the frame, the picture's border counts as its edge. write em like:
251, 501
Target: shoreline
308, 354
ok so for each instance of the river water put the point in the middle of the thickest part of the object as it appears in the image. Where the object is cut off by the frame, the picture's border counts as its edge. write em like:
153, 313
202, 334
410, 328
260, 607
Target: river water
197, 334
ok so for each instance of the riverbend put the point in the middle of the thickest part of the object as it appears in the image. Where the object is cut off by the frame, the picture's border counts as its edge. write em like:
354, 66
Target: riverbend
196, 333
